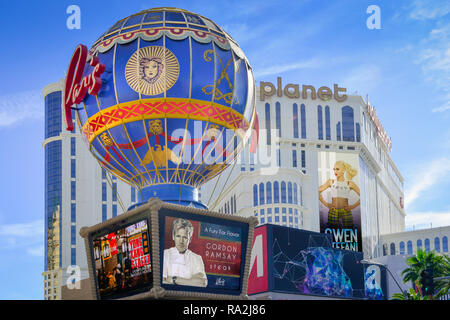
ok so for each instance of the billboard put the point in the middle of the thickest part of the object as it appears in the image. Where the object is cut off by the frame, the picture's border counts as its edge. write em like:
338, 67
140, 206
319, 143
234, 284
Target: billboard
300, 262
162, 250
339, 199
201, 253
123, 261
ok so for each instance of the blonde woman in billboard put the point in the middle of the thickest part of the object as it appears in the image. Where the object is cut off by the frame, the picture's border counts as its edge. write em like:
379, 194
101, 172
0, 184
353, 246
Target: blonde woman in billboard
181, 265
340, 187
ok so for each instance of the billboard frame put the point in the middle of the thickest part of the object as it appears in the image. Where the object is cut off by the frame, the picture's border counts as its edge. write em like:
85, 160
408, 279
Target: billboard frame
152, 212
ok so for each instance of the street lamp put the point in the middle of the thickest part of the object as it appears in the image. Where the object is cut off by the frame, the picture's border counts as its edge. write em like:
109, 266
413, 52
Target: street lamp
364, 261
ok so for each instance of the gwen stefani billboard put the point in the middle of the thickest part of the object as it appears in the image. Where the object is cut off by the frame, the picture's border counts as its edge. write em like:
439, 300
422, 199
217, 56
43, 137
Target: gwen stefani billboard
339, 199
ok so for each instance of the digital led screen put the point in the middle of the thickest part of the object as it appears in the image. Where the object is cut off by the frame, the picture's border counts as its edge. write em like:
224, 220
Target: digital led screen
122, 261
202, 253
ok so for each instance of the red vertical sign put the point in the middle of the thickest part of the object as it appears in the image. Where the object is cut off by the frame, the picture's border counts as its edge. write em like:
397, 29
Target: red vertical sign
258, 280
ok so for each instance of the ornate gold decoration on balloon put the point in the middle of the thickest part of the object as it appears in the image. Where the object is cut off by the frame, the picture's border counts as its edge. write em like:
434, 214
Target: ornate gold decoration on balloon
213, 89
152, 70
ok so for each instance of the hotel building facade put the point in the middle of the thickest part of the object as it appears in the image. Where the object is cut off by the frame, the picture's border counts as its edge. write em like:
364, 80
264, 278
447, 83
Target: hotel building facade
78, 193
301, 135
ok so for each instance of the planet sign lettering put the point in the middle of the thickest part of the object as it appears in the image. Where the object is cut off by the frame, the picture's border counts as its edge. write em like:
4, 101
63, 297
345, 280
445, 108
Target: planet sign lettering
77, 87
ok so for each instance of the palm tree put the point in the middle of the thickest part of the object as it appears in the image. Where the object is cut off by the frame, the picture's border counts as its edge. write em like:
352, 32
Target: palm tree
425, 260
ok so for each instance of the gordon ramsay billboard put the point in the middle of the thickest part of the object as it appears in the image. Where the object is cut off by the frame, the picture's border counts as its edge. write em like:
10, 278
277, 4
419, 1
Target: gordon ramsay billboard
202, 253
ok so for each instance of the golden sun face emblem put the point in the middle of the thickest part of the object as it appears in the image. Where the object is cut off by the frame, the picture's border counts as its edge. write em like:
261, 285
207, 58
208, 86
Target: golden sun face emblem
155, 127
152, 70
106, 140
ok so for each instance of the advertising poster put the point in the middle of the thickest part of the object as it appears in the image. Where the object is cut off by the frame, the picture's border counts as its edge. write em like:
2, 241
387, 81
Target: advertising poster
202, 254
258, 280
304, 262
122, 261
339, 199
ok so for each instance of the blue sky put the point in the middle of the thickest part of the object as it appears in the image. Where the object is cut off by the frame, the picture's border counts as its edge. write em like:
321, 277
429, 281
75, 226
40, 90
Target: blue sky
404, 67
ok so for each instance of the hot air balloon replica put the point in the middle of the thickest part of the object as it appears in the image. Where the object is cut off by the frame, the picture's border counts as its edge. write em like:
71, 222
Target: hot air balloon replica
165, 100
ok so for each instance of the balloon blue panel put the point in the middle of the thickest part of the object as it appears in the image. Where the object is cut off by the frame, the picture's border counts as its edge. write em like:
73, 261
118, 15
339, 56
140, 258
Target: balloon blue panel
176, 25
136, 133
116, 159
202, 72
107, 94
174, 16
153, 17
123, 53
126, 151
81, 114
134, 20
194, 19
224, 76
116, 26
151, 26
181, 51
241, 86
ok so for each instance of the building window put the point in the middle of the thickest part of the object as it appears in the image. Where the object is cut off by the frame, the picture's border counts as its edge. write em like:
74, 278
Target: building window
269, 192
276, 192
410, 248
358, 133
338, 131
392, 249
295, 194
319, 122
73, 190
278, 157
114, 210
133, 194
303, 118
444, 244
327, 123
72, 146
348, 124
427, 245
437, 244
261, 194
278, 117
73, 235
295, 119
255, 195
73, 256
114, 191
73, 212
283, 192
290, 193
232, 206
303, 158
268, 123
294, 158
103, 173
234, 201
73, 169
104, 213
402, 247
419, 244
104, 191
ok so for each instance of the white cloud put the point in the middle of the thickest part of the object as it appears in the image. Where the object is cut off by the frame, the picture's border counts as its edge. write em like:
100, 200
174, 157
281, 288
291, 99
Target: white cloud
21, 106
427, 177
427, 219
424, 10
28, 236
434, 58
